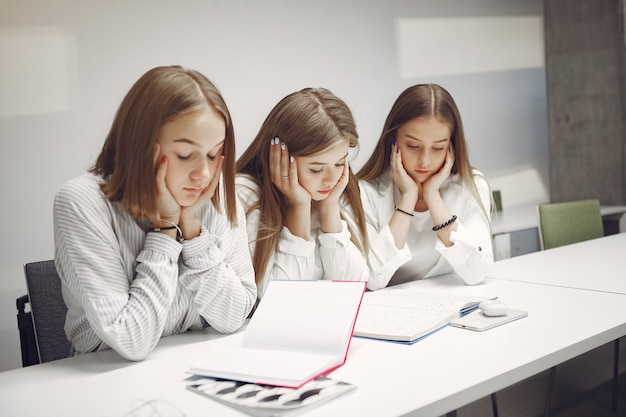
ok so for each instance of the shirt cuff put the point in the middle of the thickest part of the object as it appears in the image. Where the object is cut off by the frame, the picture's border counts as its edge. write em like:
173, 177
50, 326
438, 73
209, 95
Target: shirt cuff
463, 246
334, 240
198, 244
164, 244
294, 245
387, 257
195, 250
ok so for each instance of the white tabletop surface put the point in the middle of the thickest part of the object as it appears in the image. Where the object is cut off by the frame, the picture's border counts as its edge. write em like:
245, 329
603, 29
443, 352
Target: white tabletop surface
518, 218
598, 264
443, 372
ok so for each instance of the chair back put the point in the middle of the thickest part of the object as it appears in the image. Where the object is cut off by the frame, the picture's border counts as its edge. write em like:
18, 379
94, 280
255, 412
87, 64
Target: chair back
497, 200
569, 222
48, 310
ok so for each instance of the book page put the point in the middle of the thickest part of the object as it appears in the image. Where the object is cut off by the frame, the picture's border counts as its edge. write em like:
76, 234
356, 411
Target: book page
405, 315
398, 323
306, 316
273, 367
440, 301
300, 330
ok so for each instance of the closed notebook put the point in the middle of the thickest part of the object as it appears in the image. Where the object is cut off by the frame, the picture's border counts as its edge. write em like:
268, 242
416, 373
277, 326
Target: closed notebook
266, 400
300, 330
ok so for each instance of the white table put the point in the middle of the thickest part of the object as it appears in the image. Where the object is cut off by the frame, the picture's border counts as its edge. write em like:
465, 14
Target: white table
575, 266
443, 372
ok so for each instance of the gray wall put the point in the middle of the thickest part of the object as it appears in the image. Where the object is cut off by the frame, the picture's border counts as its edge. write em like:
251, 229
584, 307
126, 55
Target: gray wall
67, 64
586, 84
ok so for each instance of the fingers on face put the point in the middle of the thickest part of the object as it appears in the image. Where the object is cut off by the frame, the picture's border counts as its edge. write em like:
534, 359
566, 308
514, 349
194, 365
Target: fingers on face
160, 162
285, 167
157, 153
282, 165
273, 151
209, 190
450, 156
274, 160
293, 168
396, 156
161, 170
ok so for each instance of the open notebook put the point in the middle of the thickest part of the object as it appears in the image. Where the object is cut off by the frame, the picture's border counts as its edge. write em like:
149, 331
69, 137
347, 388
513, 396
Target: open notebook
407, 315
300, 330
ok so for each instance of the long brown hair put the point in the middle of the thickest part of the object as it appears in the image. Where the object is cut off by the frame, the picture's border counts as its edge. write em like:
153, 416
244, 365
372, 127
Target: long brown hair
307, 121
126, 162
423, 101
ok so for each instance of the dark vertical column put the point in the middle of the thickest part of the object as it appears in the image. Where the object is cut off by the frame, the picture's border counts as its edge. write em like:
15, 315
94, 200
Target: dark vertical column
586, 91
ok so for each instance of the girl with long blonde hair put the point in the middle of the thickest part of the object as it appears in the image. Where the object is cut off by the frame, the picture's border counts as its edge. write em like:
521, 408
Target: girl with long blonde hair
302, 201
427, 209
151, 242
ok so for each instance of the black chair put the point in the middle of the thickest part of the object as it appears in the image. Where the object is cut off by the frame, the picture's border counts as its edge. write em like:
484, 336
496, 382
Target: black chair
42, 336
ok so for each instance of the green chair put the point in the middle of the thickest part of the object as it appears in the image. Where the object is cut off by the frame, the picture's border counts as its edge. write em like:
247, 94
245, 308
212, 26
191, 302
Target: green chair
563, 224
497, 200
569, 222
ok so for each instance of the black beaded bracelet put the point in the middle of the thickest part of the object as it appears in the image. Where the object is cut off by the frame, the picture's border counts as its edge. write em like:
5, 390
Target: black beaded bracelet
402, 211
441, 226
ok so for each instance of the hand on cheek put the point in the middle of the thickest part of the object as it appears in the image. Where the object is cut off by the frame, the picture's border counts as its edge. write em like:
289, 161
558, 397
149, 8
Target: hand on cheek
284, 174
208, 191
400, 177
167, 206
340, 186
189, 222
434, 183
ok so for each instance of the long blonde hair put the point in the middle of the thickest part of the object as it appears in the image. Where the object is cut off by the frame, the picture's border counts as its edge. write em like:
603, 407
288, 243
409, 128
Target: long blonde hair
126, 161
423, 101
307, 121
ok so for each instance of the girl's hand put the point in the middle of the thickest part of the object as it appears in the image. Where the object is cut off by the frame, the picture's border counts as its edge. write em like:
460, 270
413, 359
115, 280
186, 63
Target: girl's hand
337, 191
189, 222
207, 193
432, 185
408, 188
167, 206
284, 175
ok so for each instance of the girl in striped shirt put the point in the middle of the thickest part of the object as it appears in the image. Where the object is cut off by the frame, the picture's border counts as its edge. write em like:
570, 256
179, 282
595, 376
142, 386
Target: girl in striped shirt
151, 242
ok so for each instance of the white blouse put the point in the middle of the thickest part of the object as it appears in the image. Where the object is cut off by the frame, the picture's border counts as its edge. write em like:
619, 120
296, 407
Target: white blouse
424, 255
331, 256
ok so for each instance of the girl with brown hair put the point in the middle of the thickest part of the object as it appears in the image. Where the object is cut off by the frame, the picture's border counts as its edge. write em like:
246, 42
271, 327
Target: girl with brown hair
151, 242
427, 209
302, 202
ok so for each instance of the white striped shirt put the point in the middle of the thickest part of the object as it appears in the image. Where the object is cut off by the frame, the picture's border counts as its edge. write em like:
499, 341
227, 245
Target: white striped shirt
125, 287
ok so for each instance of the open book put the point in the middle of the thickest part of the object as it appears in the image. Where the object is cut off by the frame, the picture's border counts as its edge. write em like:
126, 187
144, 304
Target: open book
300, 330
406, 315
266, 400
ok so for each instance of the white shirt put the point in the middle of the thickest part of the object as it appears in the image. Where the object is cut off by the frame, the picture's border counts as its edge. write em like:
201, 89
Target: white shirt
424, 255
331, 256
125, 287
